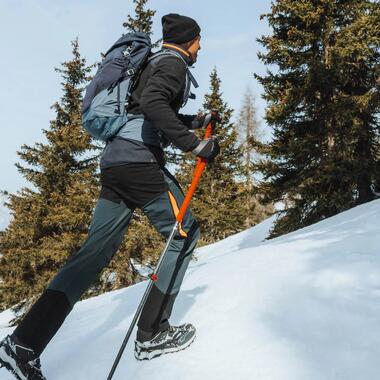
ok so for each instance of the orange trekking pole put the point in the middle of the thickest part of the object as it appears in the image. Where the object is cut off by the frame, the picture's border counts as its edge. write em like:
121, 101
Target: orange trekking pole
201, 164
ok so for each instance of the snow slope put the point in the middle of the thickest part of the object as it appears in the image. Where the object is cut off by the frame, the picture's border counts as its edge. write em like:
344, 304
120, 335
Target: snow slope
305, 306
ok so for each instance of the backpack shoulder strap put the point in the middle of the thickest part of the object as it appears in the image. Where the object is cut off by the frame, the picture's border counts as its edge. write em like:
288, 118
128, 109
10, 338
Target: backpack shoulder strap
189, 76
167, 52
192, 79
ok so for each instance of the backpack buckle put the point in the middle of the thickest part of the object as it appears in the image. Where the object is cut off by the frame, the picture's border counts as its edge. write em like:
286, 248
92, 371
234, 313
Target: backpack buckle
127, 51
130, 72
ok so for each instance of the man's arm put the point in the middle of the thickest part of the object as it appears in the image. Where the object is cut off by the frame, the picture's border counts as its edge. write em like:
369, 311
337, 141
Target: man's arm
187, 120
201, 120
167, 80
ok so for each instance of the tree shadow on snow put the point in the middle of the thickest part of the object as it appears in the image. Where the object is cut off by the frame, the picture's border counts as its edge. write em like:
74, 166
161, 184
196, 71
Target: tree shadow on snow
328, 313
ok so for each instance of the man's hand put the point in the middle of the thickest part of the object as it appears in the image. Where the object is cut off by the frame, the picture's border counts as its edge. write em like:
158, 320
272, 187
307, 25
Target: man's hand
202, 120
208, 149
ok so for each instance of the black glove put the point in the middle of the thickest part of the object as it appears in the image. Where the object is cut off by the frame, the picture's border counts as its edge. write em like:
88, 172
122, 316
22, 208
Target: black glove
207, 149
202, 120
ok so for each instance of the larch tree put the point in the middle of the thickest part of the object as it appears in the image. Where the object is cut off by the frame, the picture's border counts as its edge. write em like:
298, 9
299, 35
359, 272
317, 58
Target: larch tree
249, 133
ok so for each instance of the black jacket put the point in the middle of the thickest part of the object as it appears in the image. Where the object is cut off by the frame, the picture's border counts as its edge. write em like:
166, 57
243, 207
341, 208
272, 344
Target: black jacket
158, 95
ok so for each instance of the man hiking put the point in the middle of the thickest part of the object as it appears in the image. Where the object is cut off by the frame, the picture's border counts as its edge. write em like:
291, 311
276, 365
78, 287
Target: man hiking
133, 175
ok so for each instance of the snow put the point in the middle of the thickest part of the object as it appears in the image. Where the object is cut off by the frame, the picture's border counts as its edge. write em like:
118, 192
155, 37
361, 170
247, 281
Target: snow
305, 306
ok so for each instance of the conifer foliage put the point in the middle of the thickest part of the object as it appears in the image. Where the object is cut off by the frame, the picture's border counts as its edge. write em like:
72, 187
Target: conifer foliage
323, 108
216, 203
51, 217
142, 20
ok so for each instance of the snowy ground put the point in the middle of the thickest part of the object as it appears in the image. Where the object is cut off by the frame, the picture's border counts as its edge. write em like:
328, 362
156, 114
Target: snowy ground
305, 306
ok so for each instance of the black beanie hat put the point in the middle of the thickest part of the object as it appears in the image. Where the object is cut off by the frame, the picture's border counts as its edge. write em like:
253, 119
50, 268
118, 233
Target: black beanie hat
179, 29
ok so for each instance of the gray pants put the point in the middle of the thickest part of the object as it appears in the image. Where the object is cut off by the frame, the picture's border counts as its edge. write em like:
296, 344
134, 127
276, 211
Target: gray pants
112, 214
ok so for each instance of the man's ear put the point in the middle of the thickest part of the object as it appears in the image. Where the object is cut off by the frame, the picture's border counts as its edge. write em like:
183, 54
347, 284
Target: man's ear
185, 46
194, 40
188, 44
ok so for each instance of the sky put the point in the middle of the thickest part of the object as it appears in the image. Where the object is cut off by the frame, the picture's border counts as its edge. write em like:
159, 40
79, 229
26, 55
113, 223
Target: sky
35, 38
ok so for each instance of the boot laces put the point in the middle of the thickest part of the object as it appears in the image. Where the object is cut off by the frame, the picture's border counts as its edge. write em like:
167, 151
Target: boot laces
36, 363
176, 331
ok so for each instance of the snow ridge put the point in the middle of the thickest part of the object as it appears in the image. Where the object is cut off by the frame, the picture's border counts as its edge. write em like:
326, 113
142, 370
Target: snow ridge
304, 306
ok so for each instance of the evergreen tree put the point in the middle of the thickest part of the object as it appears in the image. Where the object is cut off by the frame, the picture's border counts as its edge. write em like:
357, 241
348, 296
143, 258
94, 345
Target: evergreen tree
216, 203
51, 221
50, 218
359, 43
143, 20
323, 105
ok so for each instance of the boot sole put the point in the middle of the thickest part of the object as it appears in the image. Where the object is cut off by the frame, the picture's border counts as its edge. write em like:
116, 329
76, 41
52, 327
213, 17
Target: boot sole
144, 355
6, 362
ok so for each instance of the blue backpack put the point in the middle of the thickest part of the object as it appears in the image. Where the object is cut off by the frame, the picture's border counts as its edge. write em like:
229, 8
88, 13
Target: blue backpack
104, 109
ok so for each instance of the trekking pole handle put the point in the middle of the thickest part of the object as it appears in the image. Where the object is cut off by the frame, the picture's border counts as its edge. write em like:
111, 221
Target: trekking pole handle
201, 164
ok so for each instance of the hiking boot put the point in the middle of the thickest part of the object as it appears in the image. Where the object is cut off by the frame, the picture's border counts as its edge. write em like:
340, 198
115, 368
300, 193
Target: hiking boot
21, 361
176, 338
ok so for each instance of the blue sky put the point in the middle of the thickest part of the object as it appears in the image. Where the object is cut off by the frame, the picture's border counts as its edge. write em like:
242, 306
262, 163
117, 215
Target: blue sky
36, 35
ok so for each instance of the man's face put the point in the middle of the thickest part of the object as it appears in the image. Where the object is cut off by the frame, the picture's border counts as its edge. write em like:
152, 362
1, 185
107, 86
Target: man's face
194, 48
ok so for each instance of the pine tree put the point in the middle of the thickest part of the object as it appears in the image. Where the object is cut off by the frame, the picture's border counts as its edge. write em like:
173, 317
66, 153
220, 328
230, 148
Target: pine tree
216, 204
323, 105
143, 20
51, 217
60, 205
359, 46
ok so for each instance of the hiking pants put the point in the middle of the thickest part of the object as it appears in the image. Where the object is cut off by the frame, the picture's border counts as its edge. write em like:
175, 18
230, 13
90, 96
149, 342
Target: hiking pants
156, 192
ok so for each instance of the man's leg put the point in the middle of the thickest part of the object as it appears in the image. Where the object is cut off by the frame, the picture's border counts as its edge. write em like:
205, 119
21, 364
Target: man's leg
162, 212
109, 223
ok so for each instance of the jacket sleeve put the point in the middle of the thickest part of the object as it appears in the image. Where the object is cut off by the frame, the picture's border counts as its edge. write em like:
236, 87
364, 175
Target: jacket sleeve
164, 85
187, 120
